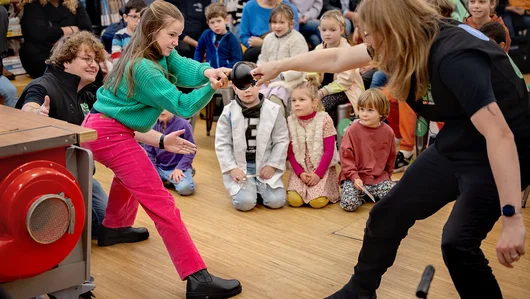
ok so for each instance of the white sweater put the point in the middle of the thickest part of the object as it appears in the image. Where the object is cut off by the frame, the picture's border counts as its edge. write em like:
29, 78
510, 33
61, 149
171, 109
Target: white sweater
275, 48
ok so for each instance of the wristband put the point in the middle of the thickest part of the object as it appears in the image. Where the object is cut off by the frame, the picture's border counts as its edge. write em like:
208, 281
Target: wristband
161, 142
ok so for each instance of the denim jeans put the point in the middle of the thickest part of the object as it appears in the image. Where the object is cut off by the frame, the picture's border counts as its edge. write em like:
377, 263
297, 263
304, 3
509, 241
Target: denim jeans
99, 206
8, 91
186, 185
379, 79
508, 21
311, 33
245, 199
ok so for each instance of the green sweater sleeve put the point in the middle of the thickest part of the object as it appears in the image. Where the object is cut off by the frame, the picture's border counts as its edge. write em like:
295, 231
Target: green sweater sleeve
155, 90
189, 73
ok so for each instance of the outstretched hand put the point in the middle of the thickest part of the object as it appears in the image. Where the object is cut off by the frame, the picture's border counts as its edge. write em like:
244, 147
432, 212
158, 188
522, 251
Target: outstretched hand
266, 72
173, 143
218, 77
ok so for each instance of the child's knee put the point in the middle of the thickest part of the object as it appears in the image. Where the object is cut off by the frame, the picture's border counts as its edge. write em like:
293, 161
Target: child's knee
350, 201
244, 201
185, 188
275, 199
319, 202
294, 199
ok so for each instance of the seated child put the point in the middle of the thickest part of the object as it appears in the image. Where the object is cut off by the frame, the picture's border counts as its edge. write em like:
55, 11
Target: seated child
312, 152
221, 46
339, 88
251, 144
282, 42
367, 152
175, 168
132, 17
495, 32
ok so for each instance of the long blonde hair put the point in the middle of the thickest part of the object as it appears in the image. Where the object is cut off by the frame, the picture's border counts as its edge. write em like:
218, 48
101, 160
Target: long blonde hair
143, 44
408, 29
70, 4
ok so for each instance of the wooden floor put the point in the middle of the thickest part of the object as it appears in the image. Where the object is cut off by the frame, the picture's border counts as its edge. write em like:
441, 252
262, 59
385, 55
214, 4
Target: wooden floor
285, 253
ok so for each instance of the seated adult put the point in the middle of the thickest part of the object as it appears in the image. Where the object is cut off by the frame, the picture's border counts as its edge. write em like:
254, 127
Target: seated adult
516, 15
61, 93
43, 23
7, 90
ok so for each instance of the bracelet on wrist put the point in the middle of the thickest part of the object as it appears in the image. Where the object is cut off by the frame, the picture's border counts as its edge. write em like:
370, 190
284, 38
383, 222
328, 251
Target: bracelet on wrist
161, 142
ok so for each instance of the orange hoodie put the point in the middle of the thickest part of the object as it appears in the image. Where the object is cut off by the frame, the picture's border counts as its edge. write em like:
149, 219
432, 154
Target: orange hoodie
496, 19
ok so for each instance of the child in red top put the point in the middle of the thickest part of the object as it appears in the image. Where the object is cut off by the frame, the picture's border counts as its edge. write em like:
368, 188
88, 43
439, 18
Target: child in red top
367, 152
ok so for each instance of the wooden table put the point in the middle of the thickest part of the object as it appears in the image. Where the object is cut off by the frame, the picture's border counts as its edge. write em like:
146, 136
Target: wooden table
22, 132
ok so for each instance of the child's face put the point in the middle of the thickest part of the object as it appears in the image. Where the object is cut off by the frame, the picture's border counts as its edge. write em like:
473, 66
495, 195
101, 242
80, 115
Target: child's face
249, 96
369, 117
165, 116
168, 37
218, 25
481, 8
132, 19
301, 103
280, 26
330, 31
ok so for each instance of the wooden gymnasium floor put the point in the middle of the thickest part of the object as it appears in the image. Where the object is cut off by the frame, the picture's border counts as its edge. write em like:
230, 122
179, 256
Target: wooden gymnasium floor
285, 253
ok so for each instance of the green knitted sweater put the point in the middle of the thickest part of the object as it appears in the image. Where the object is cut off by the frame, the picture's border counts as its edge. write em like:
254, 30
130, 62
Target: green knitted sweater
153, 92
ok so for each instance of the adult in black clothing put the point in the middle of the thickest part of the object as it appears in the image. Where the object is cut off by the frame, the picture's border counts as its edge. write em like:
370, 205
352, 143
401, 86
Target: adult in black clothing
43, 23
62, 93
481, 157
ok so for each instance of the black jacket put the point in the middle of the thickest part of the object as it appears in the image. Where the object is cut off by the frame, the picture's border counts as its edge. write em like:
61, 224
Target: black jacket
65, 102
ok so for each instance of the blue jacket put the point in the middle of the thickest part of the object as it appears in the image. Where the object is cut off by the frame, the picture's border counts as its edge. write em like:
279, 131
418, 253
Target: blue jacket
226, 54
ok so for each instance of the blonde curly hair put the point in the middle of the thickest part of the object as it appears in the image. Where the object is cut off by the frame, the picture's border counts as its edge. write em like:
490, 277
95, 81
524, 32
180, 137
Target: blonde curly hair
70, 4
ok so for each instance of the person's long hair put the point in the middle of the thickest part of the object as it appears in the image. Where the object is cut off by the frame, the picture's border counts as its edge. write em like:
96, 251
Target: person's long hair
70, 4
406, 31
143, 44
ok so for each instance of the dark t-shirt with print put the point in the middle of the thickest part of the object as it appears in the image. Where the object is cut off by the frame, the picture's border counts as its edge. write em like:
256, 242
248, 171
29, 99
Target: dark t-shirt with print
467, 72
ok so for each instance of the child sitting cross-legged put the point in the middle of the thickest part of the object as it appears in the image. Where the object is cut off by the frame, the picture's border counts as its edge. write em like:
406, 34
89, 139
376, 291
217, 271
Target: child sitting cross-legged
367, 152
174, 168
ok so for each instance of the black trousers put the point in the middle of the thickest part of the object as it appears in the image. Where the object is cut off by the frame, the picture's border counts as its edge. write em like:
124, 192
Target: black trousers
430, 183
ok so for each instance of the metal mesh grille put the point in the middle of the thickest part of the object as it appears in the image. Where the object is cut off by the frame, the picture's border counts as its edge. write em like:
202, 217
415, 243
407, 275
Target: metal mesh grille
48, 221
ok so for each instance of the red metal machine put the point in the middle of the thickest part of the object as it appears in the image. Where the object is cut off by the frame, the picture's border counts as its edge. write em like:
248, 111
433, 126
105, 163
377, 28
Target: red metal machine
45, 204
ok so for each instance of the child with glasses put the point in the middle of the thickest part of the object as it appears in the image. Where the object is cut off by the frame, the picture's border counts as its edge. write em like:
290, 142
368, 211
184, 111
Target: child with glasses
132, 17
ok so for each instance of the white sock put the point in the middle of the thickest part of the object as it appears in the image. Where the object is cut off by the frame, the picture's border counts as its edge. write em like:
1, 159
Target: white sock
407, 154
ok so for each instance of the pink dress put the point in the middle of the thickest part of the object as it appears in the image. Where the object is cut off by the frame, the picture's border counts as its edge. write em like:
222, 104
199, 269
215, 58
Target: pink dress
327, 186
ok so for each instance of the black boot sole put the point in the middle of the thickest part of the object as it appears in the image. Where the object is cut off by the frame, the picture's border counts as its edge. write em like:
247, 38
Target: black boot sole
229, 294
129, 239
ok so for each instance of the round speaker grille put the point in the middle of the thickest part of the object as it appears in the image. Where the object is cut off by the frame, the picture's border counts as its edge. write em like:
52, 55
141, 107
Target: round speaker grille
48, 219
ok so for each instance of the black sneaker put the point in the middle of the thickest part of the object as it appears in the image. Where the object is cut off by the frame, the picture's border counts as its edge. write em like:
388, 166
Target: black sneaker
401, 163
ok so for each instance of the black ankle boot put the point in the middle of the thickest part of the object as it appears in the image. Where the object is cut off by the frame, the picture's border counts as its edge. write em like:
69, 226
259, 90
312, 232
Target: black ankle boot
111, 236
349, 291
203, 285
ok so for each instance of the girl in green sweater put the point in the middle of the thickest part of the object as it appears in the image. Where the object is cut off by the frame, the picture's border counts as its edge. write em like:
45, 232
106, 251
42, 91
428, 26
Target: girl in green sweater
137, 90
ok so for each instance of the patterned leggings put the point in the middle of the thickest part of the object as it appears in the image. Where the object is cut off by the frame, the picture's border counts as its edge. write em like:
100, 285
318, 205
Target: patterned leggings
332, 101
352, 198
